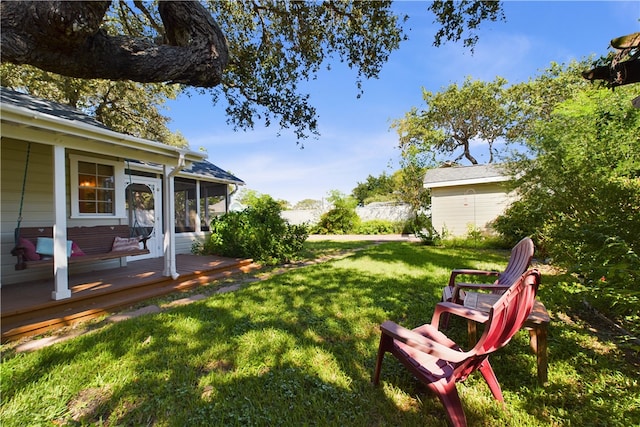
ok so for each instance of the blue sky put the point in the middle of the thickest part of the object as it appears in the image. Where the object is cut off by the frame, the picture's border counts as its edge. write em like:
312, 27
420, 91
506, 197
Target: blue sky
355, 139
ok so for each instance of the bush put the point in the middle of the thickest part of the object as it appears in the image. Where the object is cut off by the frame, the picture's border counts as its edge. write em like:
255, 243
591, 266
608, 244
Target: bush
258, 232
378, 226
342, 219
580, 197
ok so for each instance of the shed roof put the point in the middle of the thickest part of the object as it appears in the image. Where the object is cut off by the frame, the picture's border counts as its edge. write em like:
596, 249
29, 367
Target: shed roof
464, 175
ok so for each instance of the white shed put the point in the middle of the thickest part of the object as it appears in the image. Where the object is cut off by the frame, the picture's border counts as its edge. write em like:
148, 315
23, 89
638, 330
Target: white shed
465, 198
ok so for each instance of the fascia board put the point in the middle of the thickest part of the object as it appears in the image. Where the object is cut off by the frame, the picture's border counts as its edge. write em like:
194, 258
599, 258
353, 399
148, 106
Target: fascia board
460, 182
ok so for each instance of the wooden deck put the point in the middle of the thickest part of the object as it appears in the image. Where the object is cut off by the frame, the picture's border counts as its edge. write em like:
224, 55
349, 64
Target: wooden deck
27, 308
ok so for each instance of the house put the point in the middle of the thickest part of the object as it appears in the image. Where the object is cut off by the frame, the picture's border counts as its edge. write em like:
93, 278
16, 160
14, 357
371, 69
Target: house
465, 198
62, 168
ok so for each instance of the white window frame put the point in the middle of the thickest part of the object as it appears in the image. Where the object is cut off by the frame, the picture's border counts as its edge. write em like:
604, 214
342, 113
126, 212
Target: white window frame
119, 183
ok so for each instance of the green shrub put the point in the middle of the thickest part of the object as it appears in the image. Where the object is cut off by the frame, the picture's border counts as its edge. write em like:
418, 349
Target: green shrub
416, 224
377, 226
342, 219
258, 232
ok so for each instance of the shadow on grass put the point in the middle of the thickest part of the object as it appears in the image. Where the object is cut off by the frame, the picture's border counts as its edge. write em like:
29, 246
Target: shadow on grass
300, 348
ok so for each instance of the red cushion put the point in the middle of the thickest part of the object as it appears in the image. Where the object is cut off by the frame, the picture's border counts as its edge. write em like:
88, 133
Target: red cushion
75, 250
30, 253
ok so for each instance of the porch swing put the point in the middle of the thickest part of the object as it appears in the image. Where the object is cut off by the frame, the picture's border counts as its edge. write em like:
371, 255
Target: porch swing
93, 243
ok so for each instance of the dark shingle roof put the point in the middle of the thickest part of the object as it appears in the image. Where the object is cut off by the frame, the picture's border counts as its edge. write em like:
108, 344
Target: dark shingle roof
206, 168
18, 99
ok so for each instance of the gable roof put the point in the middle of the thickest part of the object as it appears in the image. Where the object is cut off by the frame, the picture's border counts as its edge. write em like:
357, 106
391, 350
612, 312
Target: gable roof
464, 175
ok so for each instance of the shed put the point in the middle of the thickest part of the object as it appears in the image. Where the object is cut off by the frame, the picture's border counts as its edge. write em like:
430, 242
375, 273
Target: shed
467, 198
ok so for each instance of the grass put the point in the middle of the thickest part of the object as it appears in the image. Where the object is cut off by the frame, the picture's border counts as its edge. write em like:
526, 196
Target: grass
298, 348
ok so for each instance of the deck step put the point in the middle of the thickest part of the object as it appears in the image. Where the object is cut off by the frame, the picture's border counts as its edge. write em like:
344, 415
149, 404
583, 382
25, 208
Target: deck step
62, 313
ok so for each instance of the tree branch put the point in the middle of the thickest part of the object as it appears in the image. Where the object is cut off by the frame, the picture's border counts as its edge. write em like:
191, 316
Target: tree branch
65, 38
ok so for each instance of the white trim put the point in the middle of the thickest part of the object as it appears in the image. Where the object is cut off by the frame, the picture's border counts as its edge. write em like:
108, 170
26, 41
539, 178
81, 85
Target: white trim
23, 116
119, 187
473, 181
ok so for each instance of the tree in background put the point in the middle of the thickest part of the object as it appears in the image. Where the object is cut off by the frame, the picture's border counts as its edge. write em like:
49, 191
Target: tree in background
124, 106
253, 55
308, 204
580, 195
374, 189
250, 198
456, 117
536, 99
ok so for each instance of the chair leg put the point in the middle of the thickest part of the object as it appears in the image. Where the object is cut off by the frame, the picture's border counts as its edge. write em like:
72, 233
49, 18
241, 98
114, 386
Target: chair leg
490, 377
538, 342
385, 343
448, 395
472, 333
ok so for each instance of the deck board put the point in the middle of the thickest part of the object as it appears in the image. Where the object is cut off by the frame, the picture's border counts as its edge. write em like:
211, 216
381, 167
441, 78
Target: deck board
96, 292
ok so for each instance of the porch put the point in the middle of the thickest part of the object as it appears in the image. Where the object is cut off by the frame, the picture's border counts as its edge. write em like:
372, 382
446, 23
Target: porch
27, 308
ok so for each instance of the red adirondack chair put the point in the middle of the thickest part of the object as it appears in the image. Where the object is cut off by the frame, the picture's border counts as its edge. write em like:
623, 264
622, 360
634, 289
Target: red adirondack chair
519, 261
439, 362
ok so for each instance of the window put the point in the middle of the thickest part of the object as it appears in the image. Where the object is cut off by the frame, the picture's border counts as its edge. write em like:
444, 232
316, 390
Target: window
213, 202
185, 205
196, 203
96, 187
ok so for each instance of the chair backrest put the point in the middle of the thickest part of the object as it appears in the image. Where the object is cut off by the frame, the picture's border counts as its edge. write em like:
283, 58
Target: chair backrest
506, 317
519, 261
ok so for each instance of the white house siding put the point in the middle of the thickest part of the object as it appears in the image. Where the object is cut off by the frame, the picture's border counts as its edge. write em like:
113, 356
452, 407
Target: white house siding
185, 241
456, 209
37, 207
38, 199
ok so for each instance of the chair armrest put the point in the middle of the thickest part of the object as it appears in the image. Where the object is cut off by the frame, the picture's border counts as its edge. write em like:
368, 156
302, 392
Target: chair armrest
458, 310
421, 343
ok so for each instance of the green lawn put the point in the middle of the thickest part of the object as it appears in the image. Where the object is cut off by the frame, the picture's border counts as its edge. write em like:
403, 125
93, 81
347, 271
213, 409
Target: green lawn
299, 348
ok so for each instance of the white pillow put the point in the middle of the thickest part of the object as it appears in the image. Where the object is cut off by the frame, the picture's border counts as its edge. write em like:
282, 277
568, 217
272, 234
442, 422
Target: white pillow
124, 244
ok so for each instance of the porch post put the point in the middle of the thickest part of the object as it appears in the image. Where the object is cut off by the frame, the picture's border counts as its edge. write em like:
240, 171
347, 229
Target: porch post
169, 216
227, 199
197, 227
60, 260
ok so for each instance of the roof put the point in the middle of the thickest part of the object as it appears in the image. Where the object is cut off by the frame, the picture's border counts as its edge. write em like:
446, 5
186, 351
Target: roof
25, 105
12, 97
208, 169
464, 175
200, 170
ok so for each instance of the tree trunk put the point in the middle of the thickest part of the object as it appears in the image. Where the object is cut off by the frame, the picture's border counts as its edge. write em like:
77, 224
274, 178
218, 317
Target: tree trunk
65, 37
